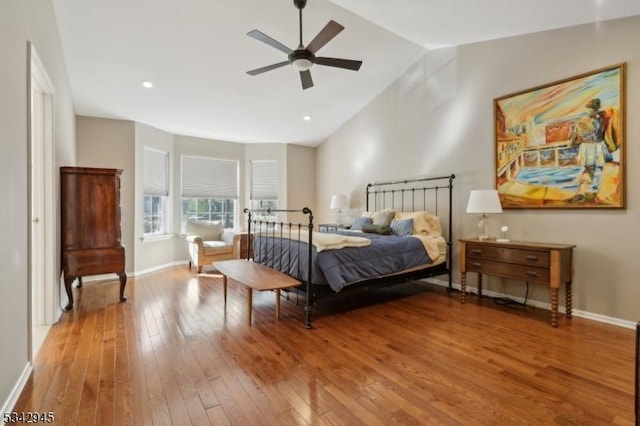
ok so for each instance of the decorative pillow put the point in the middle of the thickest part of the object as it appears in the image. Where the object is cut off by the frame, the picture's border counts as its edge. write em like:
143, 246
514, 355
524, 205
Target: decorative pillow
423, 222
403, 227
381, 217
206, 230
377, 229
358, 222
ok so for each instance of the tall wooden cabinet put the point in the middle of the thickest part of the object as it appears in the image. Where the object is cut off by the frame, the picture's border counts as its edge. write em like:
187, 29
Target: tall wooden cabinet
90, 219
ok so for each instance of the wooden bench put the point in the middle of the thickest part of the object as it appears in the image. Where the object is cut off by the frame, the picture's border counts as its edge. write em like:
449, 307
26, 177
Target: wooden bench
256, 277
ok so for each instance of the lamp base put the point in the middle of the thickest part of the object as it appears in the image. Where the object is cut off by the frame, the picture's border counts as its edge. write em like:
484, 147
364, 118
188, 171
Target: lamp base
503, 240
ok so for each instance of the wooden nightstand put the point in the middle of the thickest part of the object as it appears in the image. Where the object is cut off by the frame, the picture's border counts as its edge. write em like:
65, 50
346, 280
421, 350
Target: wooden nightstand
549, 264
244, 236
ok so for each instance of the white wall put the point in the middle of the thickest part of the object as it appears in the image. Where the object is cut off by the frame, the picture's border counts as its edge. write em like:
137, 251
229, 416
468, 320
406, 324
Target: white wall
111, 144
438, 119
22, 21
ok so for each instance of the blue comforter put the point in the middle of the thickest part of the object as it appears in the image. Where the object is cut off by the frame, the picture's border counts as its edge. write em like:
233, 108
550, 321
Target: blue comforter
386, 255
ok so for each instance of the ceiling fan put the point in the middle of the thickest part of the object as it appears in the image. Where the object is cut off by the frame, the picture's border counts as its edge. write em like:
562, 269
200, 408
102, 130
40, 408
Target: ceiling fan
303, 58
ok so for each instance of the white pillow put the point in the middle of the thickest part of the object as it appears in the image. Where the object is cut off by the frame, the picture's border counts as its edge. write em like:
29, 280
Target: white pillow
423, 222
381, 217
206, 230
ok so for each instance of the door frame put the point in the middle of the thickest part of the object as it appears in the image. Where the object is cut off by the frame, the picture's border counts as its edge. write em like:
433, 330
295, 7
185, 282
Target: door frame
48, 305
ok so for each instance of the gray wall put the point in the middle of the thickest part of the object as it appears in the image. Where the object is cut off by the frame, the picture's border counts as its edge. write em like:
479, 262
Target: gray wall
152, 252
22, 21
438, 119
111, 144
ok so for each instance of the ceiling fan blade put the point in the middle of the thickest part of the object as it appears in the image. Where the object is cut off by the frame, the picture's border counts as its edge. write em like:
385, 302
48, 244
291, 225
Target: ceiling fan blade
305, 77
259, 35
329, 31
267, 68
339, 63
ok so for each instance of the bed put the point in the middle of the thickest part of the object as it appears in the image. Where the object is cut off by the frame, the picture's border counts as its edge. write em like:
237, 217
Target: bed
344, 262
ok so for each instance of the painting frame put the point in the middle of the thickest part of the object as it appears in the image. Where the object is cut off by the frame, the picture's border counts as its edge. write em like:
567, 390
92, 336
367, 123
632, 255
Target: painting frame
562, 145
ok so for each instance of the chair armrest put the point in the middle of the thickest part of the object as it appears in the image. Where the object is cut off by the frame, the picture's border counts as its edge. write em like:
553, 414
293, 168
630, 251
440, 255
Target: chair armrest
228, 237
195, 239
232, 238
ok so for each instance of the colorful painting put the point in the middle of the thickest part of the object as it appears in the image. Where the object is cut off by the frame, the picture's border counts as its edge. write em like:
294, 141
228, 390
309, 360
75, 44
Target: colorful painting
562, 145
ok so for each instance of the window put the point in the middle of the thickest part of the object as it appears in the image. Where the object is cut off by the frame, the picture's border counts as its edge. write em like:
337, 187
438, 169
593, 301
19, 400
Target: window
156, 191
264, 188
209, 190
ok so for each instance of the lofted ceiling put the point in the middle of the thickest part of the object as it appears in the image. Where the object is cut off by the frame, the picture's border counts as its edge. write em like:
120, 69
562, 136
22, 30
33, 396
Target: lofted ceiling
197, 53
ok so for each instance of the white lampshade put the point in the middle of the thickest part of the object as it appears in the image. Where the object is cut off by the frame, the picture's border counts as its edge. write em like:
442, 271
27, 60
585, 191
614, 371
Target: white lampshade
484, 201
339, 201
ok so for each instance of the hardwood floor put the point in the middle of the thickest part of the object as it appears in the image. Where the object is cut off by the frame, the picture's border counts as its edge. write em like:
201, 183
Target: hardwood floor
170, 355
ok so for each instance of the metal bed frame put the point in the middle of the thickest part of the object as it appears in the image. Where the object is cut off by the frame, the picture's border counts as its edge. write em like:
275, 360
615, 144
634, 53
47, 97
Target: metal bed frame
384, 194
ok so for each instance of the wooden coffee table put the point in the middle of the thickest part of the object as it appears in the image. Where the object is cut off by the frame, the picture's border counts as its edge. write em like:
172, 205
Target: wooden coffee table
255, 277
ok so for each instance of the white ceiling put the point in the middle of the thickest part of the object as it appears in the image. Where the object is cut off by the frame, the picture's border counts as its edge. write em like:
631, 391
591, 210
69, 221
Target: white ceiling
196, 53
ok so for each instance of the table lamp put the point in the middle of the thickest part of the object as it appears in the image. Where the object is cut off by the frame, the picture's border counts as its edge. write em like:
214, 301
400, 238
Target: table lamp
484, 201
338, 202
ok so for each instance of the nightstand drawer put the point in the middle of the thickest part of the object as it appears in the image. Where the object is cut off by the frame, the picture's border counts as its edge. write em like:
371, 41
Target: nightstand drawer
508, 254
508, 270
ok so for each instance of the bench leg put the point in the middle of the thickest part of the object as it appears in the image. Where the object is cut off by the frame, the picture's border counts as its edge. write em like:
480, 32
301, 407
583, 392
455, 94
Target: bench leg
224, 287
277, 303
249, 301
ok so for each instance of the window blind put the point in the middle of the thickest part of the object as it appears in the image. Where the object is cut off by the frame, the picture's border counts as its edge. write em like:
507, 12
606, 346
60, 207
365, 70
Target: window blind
156, 172
264, 180
209, 178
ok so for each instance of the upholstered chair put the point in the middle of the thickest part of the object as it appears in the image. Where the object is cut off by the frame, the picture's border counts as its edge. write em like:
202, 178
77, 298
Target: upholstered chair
208, 242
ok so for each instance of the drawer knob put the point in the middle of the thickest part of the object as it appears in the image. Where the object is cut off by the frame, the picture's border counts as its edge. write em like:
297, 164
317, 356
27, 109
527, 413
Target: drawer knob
532, 273
476, 264
476, 251
532, 257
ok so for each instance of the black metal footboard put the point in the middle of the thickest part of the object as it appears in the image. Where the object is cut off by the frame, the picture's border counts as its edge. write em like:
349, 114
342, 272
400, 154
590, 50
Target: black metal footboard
282, 246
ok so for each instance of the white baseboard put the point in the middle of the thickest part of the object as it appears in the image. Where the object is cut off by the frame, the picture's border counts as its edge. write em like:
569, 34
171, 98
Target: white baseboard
8, 405
542, 305
111, 277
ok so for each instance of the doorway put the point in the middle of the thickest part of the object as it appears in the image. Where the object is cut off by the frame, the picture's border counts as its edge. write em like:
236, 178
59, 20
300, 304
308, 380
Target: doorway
44, 306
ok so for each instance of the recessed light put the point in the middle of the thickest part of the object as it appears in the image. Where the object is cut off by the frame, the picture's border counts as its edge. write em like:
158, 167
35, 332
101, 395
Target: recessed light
147, 84
307, 118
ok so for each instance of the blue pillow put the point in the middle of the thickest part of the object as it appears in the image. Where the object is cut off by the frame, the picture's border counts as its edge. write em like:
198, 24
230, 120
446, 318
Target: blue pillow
358, 222
403, 227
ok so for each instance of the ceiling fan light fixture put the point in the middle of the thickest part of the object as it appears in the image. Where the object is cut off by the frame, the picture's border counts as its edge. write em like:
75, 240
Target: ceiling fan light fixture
301, 64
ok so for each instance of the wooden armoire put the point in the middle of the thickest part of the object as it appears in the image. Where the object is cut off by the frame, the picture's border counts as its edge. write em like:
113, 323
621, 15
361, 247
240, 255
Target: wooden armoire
90, 219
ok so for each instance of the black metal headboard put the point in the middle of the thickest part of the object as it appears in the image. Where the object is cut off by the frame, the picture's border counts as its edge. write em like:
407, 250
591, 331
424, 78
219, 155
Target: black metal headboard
405, 195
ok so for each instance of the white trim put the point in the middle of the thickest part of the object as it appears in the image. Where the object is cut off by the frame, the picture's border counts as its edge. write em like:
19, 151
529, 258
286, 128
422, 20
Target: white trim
17, 390
114, 277
39, 77
159, 237
542, 305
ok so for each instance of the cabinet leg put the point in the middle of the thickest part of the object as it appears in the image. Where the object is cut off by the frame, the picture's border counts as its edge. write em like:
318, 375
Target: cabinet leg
463, 287
554, 307
123, 283
568, 299
68, 280
79, 282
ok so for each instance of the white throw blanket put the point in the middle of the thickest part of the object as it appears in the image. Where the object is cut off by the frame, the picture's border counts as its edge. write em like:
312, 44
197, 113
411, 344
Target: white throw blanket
325, 241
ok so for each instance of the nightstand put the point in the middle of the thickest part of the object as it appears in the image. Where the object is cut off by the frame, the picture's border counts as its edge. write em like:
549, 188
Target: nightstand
246, 246
548, 264
332, 227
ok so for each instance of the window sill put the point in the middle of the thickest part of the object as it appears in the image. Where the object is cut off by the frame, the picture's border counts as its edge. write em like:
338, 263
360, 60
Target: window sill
153, 238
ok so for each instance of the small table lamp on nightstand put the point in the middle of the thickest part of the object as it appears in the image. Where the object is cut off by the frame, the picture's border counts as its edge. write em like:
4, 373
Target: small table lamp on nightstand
338, 202
484, 201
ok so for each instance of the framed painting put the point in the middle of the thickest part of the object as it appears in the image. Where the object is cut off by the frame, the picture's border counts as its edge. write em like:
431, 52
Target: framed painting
562, 145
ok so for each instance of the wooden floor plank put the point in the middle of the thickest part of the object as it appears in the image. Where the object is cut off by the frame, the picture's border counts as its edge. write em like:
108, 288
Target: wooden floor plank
174, 354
